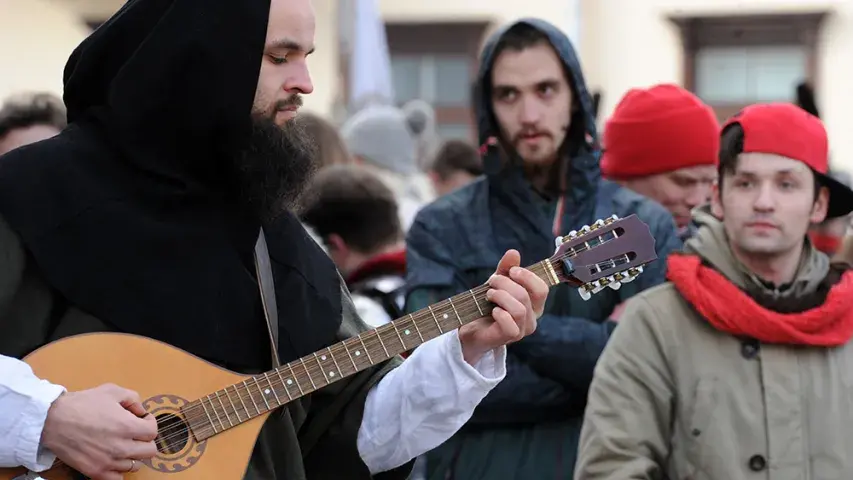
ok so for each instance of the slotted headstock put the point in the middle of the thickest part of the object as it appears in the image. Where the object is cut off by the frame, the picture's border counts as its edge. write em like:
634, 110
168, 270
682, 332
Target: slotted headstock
607, 253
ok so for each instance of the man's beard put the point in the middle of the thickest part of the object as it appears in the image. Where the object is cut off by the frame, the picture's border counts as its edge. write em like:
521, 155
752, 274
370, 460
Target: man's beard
275, 168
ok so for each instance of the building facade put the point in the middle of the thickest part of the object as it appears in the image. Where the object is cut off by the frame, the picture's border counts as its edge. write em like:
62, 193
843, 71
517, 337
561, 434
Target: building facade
730, 52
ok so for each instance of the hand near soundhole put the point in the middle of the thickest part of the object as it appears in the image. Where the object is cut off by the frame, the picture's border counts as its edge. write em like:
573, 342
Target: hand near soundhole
519, 296
102, 433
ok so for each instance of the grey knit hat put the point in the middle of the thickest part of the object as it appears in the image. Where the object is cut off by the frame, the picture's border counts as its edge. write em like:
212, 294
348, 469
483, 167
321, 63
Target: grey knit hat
380, 135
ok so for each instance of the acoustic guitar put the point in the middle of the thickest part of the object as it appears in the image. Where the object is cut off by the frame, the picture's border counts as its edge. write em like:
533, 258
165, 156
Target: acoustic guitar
209, 418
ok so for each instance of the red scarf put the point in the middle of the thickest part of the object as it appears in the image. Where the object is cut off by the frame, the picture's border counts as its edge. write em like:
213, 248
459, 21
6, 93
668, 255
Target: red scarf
391, 263
827, 244
731, 310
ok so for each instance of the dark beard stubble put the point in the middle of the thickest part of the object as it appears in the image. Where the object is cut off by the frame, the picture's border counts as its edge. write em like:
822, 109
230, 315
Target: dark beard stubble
275, 168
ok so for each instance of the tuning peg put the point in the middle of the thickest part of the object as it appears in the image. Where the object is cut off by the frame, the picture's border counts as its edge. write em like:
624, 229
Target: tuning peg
584, 293
614, 284
628, 277
598, 224
634, 272
585, 229
611, 219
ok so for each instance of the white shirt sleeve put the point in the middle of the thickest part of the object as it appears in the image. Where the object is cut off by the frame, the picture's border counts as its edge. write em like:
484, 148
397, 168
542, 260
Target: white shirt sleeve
24, 402
423, 402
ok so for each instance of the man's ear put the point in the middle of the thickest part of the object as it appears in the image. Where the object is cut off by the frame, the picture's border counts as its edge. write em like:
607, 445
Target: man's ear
336, 244
821, 206
716, 200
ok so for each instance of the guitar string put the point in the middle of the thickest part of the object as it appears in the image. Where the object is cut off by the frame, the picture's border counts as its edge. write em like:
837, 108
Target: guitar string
197, 407
206, 430
313, 372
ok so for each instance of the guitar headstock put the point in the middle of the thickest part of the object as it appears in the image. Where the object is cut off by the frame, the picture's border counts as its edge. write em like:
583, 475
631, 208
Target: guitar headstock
607, 253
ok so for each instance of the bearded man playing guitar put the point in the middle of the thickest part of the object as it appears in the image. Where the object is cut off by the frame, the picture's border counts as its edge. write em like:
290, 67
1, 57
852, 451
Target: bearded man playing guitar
143, 217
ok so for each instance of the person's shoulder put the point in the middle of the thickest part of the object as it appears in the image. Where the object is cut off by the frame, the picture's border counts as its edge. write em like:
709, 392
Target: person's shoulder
660, 308
453, 211
627, 202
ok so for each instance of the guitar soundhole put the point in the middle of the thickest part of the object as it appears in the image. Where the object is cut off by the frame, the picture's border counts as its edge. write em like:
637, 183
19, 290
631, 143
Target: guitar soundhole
177, 448
174, 434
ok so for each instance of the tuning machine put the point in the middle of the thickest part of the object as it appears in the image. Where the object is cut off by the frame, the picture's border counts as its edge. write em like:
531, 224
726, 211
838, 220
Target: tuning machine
561, 240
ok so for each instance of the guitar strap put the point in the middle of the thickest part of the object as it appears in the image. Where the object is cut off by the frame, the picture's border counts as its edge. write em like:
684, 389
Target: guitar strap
267, 288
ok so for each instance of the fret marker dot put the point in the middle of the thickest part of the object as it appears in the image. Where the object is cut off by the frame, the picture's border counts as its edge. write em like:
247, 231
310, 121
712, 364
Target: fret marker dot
445, 316
322, 357
357, 353
267, 391
331, 374
406, 331
289, 381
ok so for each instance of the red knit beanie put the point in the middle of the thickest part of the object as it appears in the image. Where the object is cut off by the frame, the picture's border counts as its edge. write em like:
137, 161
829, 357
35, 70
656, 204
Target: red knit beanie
659, 129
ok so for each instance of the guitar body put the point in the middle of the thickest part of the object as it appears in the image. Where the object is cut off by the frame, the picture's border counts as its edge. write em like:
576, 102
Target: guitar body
166, 378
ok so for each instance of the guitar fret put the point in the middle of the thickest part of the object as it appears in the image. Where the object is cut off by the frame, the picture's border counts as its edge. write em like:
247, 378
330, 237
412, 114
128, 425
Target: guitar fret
379, 336
366, 351
251, 397
245, 408
213, 425
274, 394
454, 311
224, 410
399, 336
283, 384
415, 323
435, 319
477, 303
354, 366
322, 370
215, 412
233, 407
258, 386
307, 373
293, 374
332, 356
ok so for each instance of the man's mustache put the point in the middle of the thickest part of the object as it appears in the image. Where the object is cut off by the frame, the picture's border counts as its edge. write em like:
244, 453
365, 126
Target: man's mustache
294, 101
525, 133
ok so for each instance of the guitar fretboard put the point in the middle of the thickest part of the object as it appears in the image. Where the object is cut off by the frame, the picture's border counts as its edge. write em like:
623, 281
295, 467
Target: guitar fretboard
268, 391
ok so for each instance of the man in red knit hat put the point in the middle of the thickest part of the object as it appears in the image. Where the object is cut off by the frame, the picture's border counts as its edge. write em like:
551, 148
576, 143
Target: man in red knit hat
662, 142
739, 366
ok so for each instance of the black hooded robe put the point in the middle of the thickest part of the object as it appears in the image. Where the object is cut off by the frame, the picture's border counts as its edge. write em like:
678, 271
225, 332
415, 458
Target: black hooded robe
124, 222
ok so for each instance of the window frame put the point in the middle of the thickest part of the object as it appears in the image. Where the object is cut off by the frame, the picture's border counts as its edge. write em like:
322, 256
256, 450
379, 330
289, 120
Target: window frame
698, 32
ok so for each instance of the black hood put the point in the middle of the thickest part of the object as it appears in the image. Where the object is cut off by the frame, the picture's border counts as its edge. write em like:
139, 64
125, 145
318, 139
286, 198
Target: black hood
171, 82
126, 212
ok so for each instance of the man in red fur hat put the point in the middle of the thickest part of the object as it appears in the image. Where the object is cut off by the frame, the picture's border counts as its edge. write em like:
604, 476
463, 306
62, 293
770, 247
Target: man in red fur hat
662, 142
739, 366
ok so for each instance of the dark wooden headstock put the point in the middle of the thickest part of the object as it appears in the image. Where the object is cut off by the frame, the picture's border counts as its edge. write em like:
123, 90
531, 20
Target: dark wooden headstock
605, 254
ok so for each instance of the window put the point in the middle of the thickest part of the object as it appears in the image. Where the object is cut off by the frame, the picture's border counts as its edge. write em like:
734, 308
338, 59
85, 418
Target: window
749, 74
437, 62
442, 79
731, 62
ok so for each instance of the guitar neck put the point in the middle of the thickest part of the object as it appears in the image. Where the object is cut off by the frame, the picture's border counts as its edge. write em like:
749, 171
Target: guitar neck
262, 393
